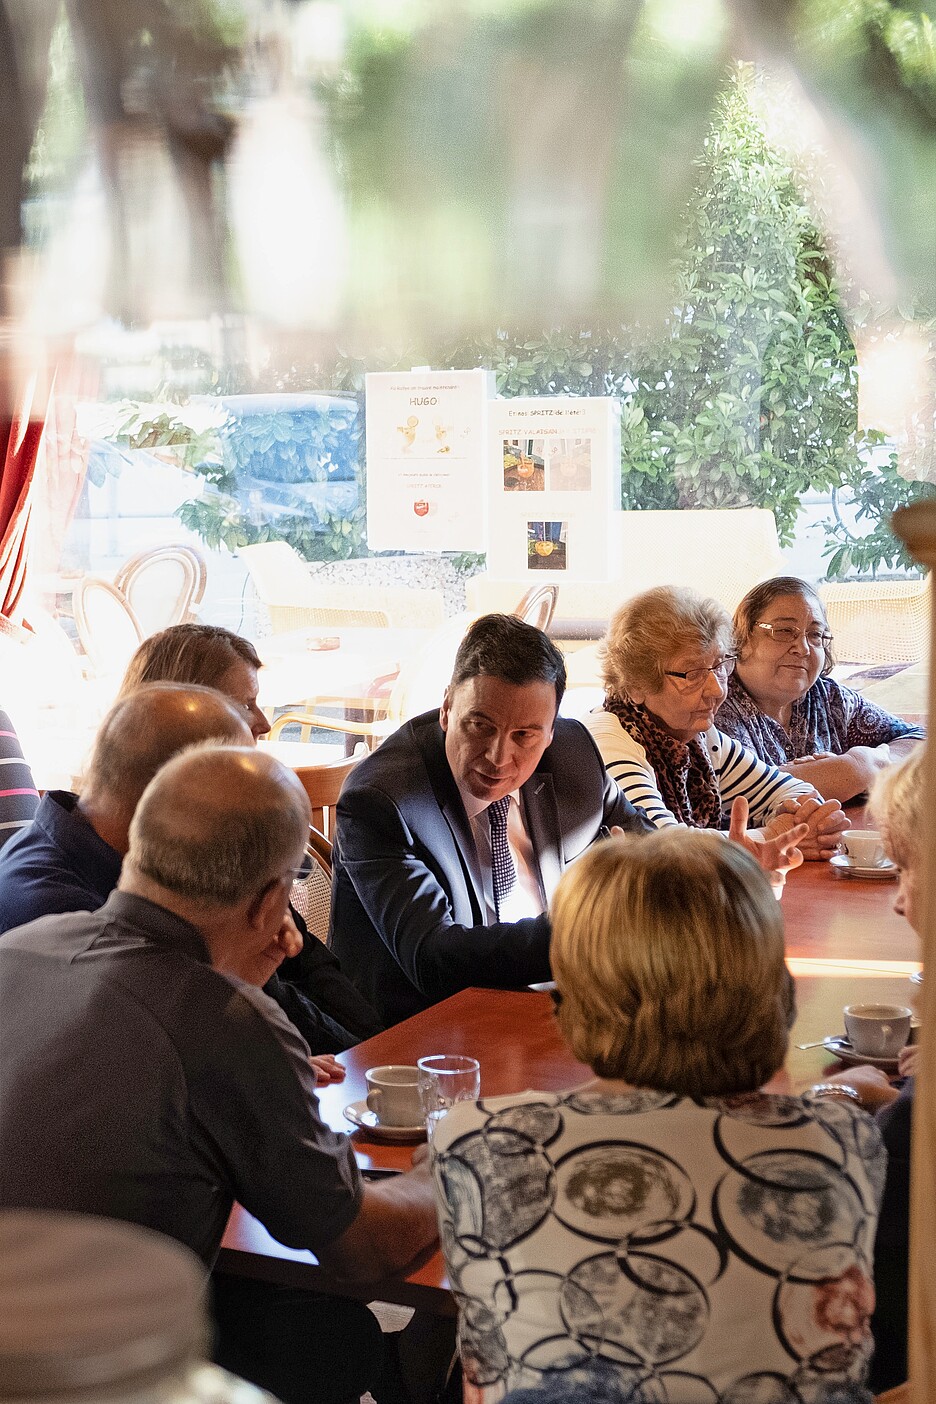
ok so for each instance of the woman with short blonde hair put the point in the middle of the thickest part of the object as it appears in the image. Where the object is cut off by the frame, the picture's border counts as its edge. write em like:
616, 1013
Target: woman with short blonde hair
667, 658
667, 1221
668, 619
686, 937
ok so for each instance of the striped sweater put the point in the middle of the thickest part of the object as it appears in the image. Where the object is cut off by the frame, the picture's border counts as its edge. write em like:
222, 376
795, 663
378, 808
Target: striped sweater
19, 798
737, 772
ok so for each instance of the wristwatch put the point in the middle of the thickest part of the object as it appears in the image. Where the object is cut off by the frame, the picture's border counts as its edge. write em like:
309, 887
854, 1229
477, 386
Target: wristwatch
835, 1089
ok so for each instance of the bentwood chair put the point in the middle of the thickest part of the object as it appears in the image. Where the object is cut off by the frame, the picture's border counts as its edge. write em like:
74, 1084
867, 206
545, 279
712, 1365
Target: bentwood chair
108, 629
311, 894
538, 606
322, 783
163, 586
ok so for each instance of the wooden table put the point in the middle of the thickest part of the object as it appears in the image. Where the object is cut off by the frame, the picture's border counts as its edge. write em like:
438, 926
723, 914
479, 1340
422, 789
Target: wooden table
514, 1036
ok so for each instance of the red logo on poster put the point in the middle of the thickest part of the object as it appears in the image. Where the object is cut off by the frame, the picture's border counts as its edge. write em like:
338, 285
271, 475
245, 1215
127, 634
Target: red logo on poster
420, 508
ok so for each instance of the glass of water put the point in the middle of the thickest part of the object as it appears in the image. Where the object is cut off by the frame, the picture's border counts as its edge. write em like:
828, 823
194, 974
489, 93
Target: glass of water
444, 1079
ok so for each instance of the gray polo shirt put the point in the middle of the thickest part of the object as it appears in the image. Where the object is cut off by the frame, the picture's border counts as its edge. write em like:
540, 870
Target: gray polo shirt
138, 1083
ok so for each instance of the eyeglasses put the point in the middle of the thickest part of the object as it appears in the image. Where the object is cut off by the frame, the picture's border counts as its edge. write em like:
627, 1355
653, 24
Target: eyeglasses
786, 634
685, 682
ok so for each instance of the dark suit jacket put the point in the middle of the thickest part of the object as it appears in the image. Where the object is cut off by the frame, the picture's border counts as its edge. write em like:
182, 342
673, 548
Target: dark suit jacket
408, 913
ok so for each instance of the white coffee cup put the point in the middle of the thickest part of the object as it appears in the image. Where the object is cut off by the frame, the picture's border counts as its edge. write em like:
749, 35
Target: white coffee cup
393, 1094
864, 847
877, 1030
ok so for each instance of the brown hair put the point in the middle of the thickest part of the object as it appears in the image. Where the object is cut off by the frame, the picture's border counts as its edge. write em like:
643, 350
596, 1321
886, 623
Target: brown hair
187, 653
503, 646
651, 629
668, 952
757, 601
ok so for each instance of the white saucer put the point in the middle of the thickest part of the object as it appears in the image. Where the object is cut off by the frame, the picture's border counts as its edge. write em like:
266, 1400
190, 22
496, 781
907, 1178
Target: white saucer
840, 1047
843, 864
363, 1117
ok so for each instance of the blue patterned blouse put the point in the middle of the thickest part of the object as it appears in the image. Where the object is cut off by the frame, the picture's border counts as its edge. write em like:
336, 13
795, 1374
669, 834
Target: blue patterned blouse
829, 718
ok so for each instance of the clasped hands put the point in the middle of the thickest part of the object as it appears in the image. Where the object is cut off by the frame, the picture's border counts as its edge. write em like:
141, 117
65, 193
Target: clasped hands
825, 823
808, 828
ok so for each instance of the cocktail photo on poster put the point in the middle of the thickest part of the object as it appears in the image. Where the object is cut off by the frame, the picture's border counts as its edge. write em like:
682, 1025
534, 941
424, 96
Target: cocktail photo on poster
546, 545
570, 465
524, 465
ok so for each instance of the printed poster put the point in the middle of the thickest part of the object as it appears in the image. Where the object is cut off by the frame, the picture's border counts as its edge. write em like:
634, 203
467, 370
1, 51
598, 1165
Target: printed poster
426, 453
555, 488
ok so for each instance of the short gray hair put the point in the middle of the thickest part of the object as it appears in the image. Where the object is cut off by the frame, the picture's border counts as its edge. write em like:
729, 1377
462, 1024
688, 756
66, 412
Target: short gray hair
218, 824
648, 631
151, 725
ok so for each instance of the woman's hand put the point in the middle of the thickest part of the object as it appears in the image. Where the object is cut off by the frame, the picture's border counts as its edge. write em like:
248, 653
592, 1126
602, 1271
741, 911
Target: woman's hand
777, 854
825, 824
907, 1060
871, 1085
327, 1069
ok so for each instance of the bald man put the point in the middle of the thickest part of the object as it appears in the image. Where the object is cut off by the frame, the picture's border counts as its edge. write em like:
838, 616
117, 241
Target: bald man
68, 859
148, 1078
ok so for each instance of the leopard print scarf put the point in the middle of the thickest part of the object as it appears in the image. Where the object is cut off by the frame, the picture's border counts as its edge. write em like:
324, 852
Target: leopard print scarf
684, 773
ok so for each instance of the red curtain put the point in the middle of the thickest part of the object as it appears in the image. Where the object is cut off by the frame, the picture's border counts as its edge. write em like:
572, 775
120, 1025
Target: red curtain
20, 434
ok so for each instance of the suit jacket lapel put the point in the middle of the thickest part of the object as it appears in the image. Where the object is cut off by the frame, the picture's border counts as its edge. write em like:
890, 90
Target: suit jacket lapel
542, 819
431, 741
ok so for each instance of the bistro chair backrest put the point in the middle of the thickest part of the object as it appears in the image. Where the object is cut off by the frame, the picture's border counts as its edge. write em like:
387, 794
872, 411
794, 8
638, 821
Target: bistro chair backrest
163, 585
108, 628
322, 783
538, 606
311, 894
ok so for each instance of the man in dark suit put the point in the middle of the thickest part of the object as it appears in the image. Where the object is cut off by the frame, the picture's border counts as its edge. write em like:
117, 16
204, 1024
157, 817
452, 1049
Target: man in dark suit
452, 836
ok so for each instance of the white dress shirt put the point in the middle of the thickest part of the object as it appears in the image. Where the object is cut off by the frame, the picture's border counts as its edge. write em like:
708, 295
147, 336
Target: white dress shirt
526, 899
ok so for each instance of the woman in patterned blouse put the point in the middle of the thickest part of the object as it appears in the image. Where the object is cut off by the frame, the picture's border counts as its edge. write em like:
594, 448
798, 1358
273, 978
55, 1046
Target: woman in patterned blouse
667, 1231
783, 705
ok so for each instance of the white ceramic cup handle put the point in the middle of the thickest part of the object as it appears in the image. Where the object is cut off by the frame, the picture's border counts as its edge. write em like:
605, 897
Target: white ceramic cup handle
373, 1101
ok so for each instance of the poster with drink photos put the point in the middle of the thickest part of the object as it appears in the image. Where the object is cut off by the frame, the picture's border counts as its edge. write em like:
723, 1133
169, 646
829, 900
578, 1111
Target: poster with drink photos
426, 451
555, 483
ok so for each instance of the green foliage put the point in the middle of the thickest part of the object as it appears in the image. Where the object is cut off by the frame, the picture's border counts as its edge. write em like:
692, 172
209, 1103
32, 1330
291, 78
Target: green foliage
289, 475
62, 131
876, 493
139, 429
747, 395
750, 396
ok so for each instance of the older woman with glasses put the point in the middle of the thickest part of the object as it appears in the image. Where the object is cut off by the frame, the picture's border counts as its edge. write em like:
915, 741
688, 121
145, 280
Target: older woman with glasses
667, 661
784, 707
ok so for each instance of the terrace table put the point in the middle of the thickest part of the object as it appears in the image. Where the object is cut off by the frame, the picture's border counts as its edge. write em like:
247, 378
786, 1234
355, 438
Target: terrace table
293, 672
836, 930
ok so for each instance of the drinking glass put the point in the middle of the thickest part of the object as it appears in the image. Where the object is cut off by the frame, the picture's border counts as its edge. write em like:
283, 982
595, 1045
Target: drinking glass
444, 1079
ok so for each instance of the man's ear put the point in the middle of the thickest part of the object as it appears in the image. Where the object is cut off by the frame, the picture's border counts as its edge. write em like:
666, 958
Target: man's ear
266, 909
445, 708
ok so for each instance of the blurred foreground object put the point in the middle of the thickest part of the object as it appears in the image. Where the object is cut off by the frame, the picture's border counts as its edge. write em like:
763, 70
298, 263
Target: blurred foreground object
93, 1308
